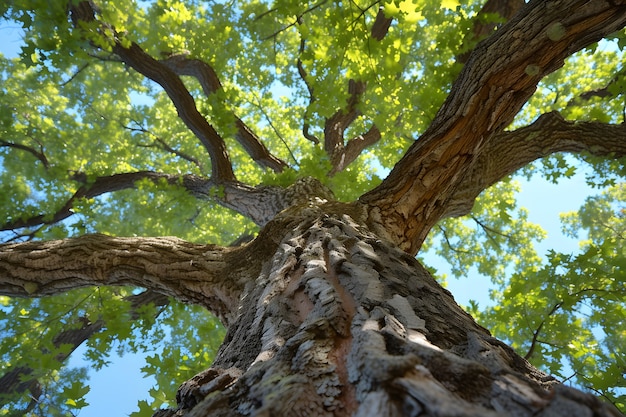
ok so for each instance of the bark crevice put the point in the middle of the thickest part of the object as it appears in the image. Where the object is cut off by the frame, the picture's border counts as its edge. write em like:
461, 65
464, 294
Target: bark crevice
344, 324
500, 76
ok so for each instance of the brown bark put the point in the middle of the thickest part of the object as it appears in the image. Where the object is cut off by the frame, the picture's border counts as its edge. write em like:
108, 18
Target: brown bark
341, 323
499, 77
511, 150
202, 274
210, 83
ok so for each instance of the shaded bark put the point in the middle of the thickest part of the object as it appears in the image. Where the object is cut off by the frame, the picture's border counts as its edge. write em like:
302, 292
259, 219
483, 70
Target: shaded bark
499, 77
341, 323
166, 265
511, 150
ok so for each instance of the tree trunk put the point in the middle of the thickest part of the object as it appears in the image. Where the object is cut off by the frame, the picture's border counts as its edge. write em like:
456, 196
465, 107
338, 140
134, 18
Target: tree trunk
341, 323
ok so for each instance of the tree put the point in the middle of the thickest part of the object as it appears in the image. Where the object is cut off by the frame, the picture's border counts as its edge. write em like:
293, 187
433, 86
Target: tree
107, 122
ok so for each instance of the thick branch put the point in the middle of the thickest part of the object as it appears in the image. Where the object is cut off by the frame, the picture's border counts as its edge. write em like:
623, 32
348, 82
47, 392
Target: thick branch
499, 77
509, 151
381, 24
200, 274
339, 122
134, 56
210, 83
341, 154
259, 204
140, 61
354, 147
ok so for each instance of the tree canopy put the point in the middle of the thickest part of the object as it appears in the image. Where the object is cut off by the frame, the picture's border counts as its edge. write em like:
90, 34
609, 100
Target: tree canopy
175, 118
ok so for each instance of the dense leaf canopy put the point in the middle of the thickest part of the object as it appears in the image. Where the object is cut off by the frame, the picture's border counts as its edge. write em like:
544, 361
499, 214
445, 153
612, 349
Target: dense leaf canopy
103, 128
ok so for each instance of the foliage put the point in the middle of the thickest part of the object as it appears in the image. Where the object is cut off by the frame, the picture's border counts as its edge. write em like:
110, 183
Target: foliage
71, 112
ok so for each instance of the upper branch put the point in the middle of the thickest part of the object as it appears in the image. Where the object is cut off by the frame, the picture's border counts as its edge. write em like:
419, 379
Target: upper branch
210, 83
340, 152
336, 125
101, 185
143, 63
500, 76
381, 24
39, 154
260, 204
484, 24
160, 73
509, 151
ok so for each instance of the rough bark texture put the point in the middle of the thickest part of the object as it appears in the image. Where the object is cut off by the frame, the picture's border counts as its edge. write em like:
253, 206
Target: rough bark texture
341, 323
512, 150
500, 76
328, 313
325, 318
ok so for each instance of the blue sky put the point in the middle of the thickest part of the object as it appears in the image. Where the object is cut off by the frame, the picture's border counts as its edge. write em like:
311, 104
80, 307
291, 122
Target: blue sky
123, 379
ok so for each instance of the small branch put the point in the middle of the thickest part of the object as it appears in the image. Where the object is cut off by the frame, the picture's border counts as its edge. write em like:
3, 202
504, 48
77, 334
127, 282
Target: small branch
18, 379
276, 131
208, 79
303, 75
180, 154
600, 92
537, 331
449, 244
101, 185
298, 18
162, 144
81, 69
490, 230
41, 157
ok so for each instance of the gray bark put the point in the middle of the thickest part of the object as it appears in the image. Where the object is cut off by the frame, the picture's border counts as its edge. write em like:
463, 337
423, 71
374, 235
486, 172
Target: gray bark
341, 323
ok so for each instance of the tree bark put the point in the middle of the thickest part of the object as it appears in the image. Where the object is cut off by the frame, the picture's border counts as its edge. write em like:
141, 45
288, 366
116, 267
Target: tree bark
339, 322
324, 318
500, 76
512, 150
328, 314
